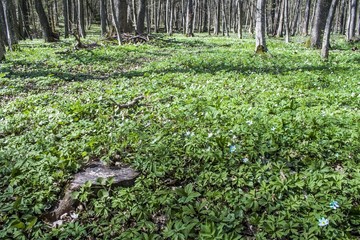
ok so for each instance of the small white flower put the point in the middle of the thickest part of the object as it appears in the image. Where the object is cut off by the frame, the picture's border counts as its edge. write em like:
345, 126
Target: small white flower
210, 135
249, 122
273, 129
245, 160
323, 222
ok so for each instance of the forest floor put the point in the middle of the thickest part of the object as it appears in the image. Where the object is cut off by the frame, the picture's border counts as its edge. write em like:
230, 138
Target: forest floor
228, 144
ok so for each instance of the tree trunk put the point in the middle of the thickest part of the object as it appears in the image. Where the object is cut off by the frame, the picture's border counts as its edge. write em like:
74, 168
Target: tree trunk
115, 14
167, 16
103, 18
81, 18
209, 16
273, 16
25, 13
172, 9
56, 11
134, 10
225, 23
322, 8
239, 9
2, 33
141, 17
2, 49
326, 39
305, 30
6, 15
189, 19
280, 29
341, 17
260, 27
217, 17
49, 36
66, 18
352, 20
286, 20
294, 26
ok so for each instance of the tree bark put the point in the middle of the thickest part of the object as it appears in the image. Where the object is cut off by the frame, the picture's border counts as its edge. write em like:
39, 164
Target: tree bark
81, 18
322, 8
286, 20
217, 18
25, 14
280, 29
115, 15
326, 38
352, 20
141, 17
306, 18
260, 26
225, 23
189, 19
103, 17
341, 17
239, 9
294, 25
66, 18
49, 36
2, 33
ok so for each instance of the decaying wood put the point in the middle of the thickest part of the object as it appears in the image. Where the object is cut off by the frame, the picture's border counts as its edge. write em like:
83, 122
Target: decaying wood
124, 177
130, 104
129, 38
80, 45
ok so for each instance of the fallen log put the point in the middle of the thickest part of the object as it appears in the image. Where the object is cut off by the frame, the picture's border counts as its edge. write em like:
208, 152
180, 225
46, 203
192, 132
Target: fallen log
121, 177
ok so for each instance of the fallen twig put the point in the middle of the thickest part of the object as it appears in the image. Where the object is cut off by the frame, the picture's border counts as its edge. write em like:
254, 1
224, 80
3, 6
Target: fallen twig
130, 104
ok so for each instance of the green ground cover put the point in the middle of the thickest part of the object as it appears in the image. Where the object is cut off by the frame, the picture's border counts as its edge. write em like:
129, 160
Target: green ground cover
229, 145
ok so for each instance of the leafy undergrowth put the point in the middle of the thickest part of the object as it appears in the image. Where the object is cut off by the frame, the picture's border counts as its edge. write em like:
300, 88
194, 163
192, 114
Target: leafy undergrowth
229, 145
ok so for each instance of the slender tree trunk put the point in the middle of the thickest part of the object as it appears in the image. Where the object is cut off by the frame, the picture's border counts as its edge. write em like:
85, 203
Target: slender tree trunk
10, 23
206, 16
239, 9
172, 9
2, 33
260, 26
66, 18
81, 18
297, 10
115, 14
273, 15
189, 19
56, 11
352, 20
141, 17
134, 10
195, 7
225, 23
50, 15
209, 16
286, 20
326, 38
217, 17
103, 17
281, 20
148, 21
342, 17
306, 18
